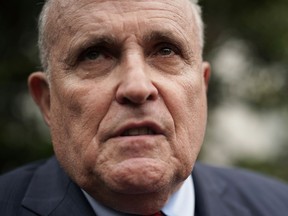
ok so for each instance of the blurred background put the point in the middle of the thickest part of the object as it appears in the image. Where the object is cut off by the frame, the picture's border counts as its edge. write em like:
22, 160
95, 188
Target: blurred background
247, 45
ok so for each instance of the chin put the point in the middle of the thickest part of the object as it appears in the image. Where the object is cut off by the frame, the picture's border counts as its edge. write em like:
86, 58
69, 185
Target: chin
139, 175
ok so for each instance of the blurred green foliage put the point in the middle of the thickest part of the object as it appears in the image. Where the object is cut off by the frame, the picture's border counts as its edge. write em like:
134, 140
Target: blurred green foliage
20, 138
262, 24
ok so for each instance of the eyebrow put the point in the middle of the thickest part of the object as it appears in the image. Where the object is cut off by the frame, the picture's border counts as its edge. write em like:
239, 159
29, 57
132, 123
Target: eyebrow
157, 35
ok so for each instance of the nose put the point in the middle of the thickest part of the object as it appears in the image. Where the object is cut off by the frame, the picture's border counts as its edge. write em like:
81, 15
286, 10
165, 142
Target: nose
135, 87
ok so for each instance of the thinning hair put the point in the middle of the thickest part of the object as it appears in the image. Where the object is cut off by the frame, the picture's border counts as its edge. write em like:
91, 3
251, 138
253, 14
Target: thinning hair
45, 37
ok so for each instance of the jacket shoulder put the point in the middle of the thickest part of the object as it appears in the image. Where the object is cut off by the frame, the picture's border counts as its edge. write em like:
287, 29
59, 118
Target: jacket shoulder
261, 194
13, 186
241, 178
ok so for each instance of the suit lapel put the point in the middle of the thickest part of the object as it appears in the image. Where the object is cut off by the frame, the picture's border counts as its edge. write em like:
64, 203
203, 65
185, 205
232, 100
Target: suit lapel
213, 197
51, 192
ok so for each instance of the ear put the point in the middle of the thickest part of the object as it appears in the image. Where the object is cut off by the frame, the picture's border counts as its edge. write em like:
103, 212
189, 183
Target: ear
39, 89
206, 71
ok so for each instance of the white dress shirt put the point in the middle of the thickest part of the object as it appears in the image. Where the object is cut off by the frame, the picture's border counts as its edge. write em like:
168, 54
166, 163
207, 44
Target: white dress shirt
181, 203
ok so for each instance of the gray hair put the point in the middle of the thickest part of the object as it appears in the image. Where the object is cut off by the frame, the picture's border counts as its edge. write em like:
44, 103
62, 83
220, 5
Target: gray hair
199, 21
45, 38
42, 36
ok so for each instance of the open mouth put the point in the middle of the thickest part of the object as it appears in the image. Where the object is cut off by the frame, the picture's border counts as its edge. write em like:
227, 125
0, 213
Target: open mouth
138, 131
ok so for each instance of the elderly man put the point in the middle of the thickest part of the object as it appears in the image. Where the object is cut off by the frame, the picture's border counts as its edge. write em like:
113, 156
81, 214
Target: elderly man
124, 94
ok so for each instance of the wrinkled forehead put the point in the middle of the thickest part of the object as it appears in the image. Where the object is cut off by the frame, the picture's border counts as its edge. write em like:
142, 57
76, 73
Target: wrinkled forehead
68, 20
67, 15
72, 8
64, 4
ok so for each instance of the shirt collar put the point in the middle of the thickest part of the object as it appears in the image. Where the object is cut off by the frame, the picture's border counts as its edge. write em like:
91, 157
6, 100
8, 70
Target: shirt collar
182, 202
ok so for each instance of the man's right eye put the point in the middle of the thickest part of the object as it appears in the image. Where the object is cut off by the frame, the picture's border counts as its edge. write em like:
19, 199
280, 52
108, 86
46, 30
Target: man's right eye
91, 54
94, 53
98, 60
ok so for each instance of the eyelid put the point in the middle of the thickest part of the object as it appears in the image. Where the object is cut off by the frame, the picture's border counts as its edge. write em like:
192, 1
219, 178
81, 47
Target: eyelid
76, 54
79, 47
81, 56
104, 48
161, 45
171, 46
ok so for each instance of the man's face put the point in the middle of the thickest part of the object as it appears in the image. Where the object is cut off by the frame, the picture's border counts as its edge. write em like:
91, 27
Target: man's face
127, 98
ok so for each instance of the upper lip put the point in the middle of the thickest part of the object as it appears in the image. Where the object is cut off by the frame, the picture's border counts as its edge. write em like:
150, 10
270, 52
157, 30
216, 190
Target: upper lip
155, 127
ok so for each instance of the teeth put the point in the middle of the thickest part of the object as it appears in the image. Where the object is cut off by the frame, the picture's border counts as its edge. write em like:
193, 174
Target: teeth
138, 132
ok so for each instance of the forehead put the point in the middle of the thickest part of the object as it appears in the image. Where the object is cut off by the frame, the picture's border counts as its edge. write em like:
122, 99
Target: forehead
76, 13
75, 22
121, 5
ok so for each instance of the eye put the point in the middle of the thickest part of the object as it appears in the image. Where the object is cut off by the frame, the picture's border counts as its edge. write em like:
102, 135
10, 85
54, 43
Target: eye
93, 54
166, 50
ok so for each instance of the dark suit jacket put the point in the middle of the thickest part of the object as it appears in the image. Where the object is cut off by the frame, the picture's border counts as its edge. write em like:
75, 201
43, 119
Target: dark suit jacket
44, 189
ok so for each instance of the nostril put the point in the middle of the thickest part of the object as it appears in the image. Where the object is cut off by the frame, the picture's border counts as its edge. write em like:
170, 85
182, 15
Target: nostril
136, 87
136, 95
124, 100
152, 96
134, 100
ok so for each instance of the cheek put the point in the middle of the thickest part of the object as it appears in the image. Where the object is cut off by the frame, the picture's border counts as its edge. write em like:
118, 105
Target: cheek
76, 115
187, 105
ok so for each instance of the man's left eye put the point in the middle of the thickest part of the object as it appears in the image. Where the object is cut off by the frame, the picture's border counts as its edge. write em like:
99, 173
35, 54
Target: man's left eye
92, 55
166, 51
